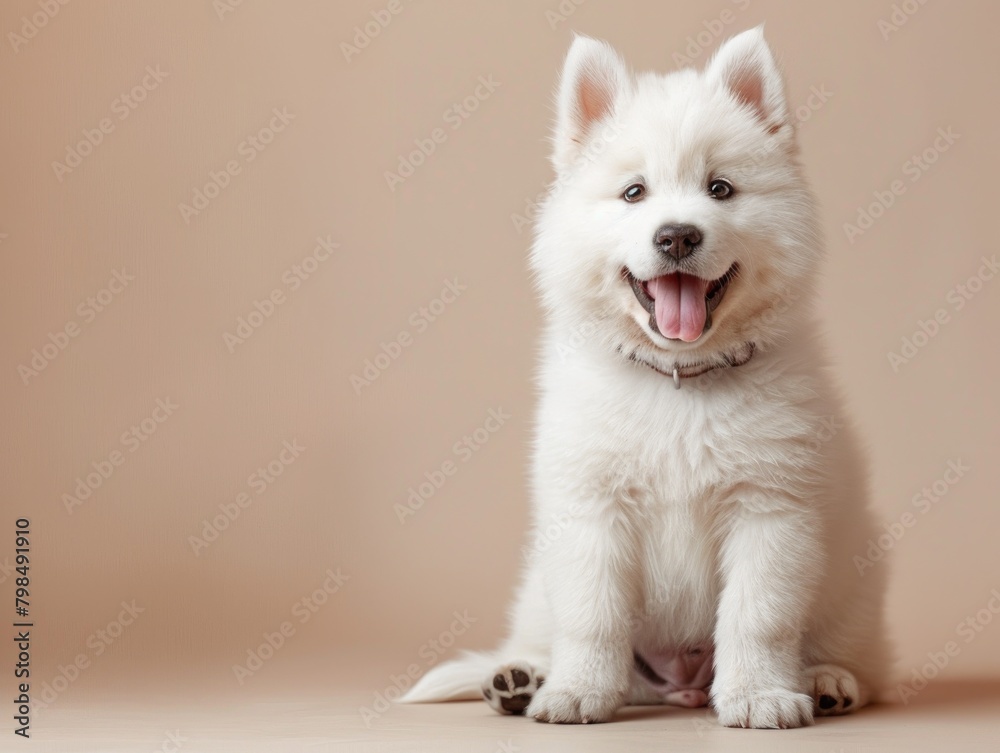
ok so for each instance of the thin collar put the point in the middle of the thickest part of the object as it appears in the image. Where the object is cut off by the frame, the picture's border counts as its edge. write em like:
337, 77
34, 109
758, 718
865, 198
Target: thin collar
734, 358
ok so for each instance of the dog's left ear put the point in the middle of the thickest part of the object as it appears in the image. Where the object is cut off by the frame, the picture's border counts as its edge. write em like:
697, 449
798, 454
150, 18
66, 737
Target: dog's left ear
746, 67
594, 79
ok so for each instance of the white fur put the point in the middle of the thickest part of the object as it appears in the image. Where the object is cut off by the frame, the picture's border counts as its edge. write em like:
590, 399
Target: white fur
725, 511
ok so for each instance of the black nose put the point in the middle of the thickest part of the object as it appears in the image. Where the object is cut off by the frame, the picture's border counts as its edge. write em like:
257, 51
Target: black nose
677, 240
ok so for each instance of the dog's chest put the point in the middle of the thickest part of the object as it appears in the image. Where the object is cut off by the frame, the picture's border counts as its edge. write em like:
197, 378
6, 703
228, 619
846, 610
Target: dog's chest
682, 456
683, 452
672, 462
678, 565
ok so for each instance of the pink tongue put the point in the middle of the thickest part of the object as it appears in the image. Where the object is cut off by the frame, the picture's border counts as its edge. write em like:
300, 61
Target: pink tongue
680, 305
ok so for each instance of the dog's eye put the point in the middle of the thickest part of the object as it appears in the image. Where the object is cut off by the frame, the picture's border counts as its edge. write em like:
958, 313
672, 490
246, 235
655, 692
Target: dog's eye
720, 189
635, 192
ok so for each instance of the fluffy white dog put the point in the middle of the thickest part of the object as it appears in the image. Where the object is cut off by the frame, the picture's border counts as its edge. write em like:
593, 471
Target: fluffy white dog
698, 495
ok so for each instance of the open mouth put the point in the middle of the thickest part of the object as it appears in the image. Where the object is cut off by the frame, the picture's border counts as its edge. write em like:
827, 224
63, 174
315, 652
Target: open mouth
680, 305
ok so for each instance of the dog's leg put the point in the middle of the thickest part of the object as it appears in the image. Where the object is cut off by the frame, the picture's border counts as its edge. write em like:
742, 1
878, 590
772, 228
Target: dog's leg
768, 560
509, 687
846, 651
590, 579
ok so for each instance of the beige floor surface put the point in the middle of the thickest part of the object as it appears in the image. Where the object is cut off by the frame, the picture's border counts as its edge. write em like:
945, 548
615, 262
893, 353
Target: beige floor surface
945, 717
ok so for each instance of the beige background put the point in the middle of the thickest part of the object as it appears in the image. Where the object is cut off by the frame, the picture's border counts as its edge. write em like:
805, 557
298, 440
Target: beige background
324, 175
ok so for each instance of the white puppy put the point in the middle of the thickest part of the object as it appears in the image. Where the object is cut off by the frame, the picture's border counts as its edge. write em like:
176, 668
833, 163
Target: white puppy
698, 495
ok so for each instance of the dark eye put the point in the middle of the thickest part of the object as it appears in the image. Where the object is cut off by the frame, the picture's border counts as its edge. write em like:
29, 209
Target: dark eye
720, 189
635, 192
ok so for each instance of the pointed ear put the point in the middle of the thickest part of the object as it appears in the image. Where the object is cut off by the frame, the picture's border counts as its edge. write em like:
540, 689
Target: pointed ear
594, 79
745, 66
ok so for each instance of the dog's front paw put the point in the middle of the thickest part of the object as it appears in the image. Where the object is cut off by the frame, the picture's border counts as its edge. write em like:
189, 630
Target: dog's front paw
772, 708
574, 704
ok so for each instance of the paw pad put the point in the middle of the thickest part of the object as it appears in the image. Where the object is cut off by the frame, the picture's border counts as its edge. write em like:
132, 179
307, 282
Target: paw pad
834, 689
511, 688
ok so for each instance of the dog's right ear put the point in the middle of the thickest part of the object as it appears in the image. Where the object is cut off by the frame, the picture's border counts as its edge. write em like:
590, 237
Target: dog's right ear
745, 66
594, 78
